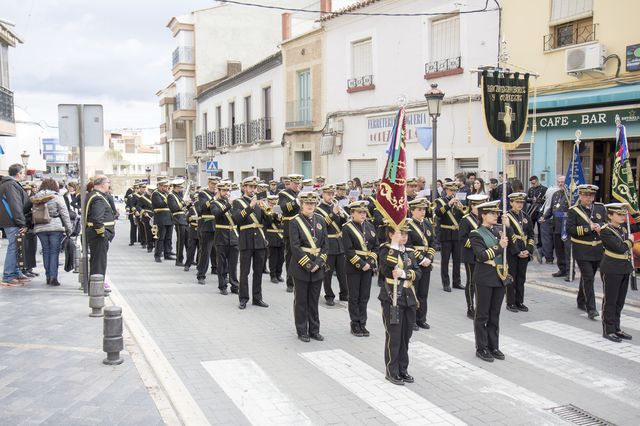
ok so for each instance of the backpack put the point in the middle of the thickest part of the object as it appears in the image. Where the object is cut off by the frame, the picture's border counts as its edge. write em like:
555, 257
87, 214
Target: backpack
40, 214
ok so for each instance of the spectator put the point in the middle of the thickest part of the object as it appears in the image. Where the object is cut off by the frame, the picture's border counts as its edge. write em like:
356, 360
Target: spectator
517, 186
357, 184
493, 189
350, 185
471, 177
478, 187
422, 183
14, 203
439, 188
72, 199
51, 234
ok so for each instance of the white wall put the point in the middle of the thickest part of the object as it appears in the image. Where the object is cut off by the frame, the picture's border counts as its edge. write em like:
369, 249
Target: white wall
28, 138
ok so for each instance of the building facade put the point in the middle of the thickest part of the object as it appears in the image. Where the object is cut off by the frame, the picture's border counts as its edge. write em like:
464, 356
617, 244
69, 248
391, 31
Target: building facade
58, 159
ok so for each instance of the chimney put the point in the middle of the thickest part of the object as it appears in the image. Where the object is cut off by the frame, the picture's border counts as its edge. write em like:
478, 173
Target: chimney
286, 26
233, 68
325, 7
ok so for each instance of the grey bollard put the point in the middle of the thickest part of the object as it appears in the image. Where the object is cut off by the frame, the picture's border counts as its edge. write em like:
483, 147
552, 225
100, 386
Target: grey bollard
96, 295
77, 257
81, 273
112, 342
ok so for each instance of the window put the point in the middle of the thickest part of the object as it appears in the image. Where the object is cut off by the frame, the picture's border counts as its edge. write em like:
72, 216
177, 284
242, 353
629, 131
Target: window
4, 65
304, 97
445, 38
424, 168
361, 60
204, 124
230, 176
363, 169
48, 147
266, 107
571, 22
467, 163
232, 121
563, 11
218, 117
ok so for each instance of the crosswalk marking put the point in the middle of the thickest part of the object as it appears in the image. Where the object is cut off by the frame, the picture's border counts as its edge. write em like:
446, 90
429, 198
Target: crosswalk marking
253, 392
587, 338
472, 376
398, 403
627, 321
614, 387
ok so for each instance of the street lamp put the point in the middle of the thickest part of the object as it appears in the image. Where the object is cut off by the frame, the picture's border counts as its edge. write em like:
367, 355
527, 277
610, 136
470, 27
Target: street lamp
434, 101
25, 161
148, 170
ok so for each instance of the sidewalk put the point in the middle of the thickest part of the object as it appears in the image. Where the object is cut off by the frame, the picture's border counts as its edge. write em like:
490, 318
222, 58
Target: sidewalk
51, 369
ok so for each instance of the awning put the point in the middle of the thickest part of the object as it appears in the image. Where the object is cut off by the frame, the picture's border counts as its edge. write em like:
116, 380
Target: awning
583, 98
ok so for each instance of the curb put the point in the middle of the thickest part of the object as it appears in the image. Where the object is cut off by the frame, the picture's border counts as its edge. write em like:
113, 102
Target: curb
571, 290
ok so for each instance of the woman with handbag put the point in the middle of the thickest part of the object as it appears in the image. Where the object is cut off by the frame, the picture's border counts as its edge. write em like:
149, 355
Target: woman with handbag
51, 221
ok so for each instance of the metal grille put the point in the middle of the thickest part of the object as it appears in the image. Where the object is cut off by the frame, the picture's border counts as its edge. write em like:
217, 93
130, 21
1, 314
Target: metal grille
578, 416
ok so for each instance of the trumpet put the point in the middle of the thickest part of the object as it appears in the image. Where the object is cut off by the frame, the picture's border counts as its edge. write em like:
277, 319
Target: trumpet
342, 210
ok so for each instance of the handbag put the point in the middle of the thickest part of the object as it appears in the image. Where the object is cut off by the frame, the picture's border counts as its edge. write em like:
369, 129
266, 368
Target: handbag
40, 214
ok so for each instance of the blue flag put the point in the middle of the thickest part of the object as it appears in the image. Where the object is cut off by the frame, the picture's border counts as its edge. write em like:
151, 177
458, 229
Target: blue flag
575, 175
425, 137
1, 150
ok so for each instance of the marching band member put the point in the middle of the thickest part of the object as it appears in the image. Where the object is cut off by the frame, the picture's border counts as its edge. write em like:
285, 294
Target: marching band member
450, 211
468, 223
145, 209
162, 220
193, 216
520, 250
131, 198
179, 217
207, 229
290, 208
275, 238
225, 239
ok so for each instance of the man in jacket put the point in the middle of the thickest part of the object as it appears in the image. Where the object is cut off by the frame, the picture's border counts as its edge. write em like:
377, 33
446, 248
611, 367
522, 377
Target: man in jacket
14, 202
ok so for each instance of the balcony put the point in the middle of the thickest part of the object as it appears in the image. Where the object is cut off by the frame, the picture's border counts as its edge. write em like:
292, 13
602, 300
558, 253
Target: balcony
300, 114
7, 118
182, 55
260, 130
199, 144
568, 35
185, 107
443, 67
360, 84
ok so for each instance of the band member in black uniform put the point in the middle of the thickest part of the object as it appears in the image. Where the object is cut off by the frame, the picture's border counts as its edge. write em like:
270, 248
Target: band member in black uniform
421, 241
360, 243
248, 215
135, 212
334, 217
162, 220
560, 203
273, 187
130, 200
193, 216
99, 224
397, 295
490, 274
178, 214
519, 252
535, 200
226, 240
341, 194
145, 209
468, 223
309, 247
290, 208
275, 238
412, 188
449, 211
584, 222
206, 228
262, 194
615, 268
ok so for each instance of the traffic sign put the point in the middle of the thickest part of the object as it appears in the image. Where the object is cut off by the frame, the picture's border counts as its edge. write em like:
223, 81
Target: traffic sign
212, 166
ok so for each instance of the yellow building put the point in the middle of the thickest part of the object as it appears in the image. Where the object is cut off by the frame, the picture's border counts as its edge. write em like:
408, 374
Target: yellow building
587, 53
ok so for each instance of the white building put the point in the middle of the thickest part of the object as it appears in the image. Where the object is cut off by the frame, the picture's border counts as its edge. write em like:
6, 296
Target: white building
371, 61
28, 138
241, 121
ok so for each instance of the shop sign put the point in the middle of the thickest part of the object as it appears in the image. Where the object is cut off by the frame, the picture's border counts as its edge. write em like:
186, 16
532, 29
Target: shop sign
587, 119
379, 127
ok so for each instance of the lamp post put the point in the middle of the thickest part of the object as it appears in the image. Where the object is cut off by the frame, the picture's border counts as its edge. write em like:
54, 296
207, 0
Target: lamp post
25, 161
434, 101
148, 170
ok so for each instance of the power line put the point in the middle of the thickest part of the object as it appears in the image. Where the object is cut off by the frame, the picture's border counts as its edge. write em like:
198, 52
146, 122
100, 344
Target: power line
293, 9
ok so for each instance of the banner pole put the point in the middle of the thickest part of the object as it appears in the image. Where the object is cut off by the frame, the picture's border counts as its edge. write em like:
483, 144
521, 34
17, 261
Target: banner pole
576, 151
504, 204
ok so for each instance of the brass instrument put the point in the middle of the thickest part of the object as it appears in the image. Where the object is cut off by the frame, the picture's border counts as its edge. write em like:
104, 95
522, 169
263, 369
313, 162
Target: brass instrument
154, 231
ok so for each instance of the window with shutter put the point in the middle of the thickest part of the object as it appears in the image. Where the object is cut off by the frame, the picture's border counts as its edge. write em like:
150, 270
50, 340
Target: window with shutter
363, 169
570, 22
361, 66
563, 11
424, 168
445, 46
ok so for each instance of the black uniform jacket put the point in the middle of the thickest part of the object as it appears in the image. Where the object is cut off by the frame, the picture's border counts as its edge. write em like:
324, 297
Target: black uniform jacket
145, 206
360, 243
521, 235
309, 247
250, 223
421, 240
617, 249
273, 227
129, 202
100, 220
334, 224
449, 226
586, 244
289, 206
391, 258
193, 215
559, 208
467, 224
161, 211
226, 233
177, 209
485, 273
207, 219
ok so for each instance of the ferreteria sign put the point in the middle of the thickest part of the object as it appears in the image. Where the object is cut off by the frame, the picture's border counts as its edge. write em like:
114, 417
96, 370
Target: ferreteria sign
588, 119
505, 101
379, 127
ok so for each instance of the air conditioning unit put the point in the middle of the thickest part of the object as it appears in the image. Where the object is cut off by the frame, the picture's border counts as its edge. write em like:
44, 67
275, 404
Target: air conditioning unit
585, 58
336, 125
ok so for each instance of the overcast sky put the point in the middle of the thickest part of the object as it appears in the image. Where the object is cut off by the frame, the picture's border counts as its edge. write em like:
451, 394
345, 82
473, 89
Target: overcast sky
116, 53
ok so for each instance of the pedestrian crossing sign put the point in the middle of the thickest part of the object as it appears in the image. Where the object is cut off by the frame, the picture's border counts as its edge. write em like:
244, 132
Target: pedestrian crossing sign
212, 166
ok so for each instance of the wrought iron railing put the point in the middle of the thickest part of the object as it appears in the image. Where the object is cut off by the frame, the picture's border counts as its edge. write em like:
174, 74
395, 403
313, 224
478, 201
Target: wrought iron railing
260, 130
6, 105
443, 65
199, 143
364, 81
182, 55
299, 114
568, 35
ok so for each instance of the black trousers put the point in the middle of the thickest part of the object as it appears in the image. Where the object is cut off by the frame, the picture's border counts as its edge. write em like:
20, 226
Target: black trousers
98, 248
450, 249
359, 294
615, 293
586, 294
470, 291
518, 270
486, 323
227, 263
276, 260
30, 249
163, 244
563, 252
148, 236
335, 262
213, 258
204, 253
133, 230
287, 259
396, 339
306, 295
247, 257
422, 293
192, 247
181, 242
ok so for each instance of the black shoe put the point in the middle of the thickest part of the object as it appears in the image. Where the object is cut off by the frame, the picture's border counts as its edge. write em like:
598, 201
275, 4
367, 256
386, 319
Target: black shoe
497, 354
201, 281
330, 302
54, 282
512, 308
567, 279
415, 327
396, 380
344, 299
242, 305
484, 355
459, 287
406, 377
582, 307
186, 268
234, 289
303, 337
149, 250
223, 291
612, 336
34, 274
549, 261
214, 272
356, 330
274, 280
423, 325
280, 279
364, 330
471, 313
522, 307
158, 260
130, 244
593, 315
260, 303
179, 264
558, 274
447, 288
30, 274
625, 336
143, 246
169, 257
266, 271
319, 337
289, 289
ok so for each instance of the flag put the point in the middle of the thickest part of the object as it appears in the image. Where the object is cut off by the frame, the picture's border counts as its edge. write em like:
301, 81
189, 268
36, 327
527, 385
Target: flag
425, 137
391, 199
1, 150
575, 175
623, 187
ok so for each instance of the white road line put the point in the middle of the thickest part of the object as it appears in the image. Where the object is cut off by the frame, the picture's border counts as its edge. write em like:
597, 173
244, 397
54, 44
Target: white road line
463, 373
398, 403
612, 386
587, 338
627, 321
253, 392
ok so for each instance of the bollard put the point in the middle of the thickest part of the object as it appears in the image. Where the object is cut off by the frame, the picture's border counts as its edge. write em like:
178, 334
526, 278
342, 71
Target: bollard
112, 342
77, 256
96, 295
81, 273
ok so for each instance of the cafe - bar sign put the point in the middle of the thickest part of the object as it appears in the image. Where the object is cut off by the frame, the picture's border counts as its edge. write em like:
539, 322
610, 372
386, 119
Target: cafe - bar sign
379, 127
588, 119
